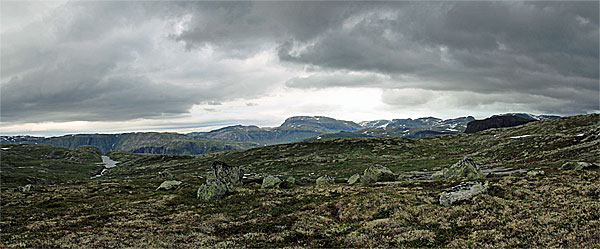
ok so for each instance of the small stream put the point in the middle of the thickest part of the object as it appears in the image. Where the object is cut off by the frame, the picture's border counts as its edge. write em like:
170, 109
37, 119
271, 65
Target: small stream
108, 163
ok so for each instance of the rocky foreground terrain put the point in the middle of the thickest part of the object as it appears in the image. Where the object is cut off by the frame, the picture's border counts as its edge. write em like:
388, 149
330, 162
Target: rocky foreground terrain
533, 185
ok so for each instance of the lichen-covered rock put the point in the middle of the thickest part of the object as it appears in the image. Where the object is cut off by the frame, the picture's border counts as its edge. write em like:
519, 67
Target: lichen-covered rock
535, 172
464, 168
354, 179
462, 192
579, 166
377, 173
169, 185
271, 182
214, 189
325, 180
228, 174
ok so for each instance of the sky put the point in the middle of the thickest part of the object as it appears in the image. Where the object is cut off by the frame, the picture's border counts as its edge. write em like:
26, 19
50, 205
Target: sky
117, 66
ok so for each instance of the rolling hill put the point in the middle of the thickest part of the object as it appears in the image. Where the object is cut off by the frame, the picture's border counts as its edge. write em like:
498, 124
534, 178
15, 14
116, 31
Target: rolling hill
124, 207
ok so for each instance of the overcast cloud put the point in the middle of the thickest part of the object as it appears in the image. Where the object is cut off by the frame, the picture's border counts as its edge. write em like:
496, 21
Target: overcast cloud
191, 61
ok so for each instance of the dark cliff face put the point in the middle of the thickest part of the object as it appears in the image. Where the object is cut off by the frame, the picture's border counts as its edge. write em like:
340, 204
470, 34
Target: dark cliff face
495, 122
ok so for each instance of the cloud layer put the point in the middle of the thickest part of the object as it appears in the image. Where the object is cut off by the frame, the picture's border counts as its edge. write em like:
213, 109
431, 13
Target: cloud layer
119, 61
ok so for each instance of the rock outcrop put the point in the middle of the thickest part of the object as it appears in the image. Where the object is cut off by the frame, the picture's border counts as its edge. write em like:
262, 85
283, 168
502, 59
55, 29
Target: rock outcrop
221, 183
214, 189
271, 182
579, 166
227, 173
377, 173
325, 180
462, 192
495, 122
169, 185
465, 168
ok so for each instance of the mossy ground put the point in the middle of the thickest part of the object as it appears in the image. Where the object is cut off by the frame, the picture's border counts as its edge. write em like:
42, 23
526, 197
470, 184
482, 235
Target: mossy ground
22, 164
557, 209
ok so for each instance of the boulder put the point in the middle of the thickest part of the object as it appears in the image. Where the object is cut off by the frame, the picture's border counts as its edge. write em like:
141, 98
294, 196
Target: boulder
462, 192
169, 185
325, 180
214, 189
377, 173
354, 179
271, 182
227, 173
464, 168
579, 166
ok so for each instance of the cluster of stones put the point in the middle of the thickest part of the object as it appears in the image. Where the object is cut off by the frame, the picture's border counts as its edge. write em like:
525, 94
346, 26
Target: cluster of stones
275, 182
226, 177
465, 168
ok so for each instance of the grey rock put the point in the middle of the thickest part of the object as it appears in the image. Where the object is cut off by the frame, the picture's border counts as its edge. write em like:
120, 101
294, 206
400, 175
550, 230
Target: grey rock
214, 189
465, 168
377, 173
462, 192
579, 166
169, 185
354, 179
227, 174
271, 182
325, 180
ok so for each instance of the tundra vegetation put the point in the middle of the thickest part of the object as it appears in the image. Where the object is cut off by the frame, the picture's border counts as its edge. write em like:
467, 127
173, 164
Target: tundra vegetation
533, 185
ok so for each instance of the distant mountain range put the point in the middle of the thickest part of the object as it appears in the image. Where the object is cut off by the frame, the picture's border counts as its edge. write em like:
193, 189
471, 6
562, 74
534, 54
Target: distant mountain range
409, 128
294, 129
138, 142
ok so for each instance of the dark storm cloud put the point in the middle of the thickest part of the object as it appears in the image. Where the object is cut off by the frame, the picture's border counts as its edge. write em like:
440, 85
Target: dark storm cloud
120, 60
547, 49
98, 61
73, 66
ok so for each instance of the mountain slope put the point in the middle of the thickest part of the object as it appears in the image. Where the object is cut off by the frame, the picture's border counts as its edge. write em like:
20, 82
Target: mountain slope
140, 142
407, 128
44, 164
292, 130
